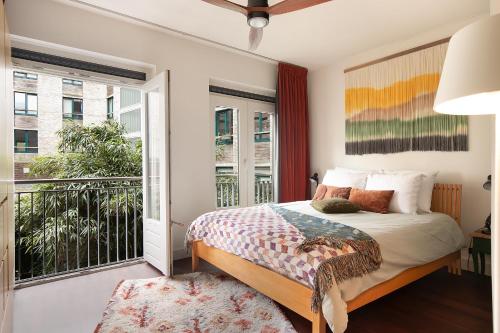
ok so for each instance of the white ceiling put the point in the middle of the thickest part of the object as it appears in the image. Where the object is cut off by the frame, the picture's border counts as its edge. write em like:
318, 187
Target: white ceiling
311, 37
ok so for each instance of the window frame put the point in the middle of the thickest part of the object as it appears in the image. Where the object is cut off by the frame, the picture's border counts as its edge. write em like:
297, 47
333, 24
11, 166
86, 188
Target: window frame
25, 76
73, 115
26, 111
110, 102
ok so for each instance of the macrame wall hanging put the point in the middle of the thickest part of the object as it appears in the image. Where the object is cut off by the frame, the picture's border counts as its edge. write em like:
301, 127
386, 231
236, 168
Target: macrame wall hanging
389, 106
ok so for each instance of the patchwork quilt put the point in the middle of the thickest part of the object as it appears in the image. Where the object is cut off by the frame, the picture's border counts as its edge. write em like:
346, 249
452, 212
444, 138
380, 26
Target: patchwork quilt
313, 251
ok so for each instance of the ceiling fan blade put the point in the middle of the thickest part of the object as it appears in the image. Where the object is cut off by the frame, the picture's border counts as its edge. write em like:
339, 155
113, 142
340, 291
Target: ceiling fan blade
254, 38
228, 5
288, 6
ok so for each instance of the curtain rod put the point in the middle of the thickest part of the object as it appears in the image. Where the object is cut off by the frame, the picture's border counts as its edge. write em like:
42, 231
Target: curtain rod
399, 54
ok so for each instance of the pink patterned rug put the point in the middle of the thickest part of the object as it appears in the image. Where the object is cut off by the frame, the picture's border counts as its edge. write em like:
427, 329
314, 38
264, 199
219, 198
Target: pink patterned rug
191, 303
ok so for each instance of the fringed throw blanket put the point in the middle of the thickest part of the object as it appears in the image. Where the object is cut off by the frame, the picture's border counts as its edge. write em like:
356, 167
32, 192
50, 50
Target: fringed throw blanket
314, 251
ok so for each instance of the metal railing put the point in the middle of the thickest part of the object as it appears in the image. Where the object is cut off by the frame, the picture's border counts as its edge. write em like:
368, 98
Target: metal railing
228, 191
69, 225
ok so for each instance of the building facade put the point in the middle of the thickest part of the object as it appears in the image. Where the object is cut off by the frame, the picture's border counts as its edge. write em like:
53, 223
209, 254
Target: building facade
44, 103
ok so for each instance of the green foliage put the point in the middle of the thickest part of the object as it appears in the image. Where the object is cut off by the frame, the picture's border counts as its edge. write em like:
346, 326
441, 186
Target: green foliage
62, 216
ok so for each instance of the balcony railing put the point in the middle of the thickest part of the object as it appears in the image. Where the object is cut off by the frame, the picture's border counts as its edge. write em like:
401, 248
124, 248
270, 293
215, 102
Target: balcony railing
70, 225
228, 191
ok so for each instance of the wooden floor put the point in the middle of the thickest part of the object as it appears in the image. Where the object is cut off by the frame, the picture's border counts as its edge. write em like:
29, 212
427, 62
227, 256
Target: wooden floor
440, 302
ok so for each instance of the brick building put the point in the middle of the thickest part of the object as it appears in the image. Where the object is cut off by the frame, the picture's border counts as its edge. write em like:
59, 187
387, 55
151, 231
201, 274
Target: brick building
43, 103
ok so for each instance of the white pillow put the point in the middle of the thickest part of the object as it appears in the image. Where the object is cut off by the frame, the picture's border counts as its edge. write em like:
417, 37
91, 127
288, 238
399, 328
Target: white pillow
426, 188
406, 189
342, 177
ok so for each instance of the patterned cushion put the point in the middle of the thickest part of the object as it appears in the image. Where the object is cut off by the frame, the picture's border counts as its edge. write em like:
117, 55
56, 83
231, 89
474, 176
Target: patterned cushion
372, 201
335, 205
327, 192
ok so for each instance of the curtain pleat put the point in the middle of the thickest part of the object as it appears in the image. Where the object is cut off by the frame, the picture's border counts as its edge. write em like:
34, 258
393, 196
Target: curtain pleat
293, 132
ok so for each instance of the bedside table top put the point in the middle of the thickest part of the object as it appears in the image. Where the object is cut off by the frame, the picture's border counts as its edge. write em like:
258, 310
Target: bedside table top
479, 234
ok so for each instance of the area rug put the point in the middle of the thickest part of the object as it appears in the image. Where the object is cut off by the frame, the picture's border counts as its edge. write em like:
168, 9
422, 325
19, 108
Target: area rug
191, 303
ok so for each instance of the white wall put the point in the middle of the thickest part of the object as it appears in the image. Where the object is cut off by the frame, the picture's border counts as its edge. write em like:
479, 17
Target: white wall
327, 135
191, 65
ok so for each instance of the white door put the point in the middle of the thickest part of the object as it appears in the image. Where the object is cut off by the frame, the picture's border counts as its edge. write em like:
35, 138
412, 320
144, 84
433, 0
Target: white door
244, 150
156, 187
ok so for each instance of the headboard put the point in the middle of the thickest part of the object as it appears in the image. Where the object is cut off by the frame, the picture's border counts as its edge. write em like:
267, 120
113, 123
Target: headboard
447, 199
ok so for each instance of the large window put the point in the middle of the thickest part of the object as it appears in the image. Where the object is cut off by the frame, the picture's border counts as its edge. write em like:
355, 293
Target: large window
109, 114
224, 126
72, 108
25, 141
25, 104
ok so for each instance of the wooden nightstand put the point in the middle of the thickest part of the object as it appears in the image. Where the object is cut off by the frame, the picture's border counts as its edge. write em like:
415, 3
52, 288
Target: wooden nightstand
481, 245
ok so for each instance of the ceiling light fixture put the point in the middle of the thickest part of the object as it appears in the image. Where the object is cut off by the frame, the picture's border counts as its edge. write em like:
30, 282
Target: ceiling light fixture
258, 20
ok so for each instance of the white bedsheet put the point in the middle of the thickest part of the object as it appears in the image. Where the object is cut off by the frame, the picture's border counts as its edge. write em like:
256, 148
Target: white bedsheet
405, 241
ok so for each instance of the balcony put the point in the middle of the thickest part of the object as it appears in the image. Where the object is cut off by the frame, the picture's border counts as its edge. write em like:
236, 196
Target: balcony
228, 190
72, 226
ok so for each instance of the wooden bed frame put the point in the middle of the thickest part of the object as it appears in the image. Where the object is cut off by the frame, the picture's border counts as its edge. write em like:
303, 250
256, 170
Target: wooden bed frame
446, 198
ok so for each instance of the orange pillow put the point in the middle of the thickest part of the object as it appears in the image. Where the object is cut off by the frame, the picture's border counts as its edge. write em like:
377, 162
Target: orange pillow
328, 192
372, 201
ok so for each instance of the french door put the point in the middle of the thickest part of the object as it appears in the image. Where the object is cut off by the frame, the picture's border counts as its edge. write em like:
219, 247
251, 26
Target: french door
244, 150
156, 188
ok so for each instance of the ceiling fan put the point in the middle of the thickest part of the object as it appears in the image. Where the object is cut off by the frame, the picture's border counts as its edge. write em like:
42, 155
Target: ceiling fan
259, 11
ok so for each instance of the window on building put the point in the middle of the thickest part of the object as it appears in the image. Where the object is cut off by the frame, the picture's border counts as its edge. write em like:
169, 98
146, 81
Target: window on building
72, 108
25, 104
72, 82
262, 127
129, 97
24, 75
110, 108
131, 121
25, 141
224, 126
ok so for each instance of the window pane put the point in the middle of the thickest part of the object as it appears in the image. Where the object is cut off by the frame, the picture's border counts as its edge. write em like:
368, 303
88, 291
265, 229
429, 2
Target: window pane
67, 106
20, 101
32, 102
77, 106
263, 158
154, 130
129, 97
227, 157
20, 75
131, 121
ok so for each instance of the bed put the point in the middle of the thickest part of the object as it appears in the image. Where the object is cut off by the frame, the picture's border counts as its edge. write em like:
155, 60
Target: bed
443, 240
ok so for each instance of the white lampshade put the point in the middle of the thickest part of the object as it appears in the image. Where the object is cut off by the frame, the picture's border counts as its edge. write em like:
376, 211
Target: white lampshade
470, 81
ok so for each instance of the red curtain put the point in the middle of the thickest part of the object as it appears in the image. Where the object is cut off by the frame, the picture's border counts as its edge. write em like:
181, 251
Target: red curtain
293, 132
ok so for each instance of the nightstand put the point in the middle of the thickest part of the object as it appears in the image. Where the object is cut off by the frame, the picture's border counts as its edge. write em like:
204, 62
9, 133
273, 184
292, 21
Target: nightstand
481, 245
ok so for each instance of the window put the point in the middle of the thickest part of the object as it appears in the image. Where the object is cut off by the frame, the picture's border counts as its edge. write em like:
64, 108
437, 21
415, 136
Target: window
129, 97
224, 126
110, 108
25, 104
27, 76
131, 121
72, 82
72, 108
262, 127
25, 141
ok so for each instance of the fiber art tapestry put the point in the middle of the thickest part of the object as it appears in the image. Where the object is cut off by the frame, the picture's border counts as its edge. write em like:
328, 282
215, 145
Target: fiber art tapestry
389, 107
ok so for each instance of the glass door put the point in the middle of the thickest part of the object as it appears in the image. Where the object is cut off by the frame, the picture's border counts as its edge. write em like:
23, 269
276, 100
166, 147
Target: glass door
243, 151
262, 150
156, 224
